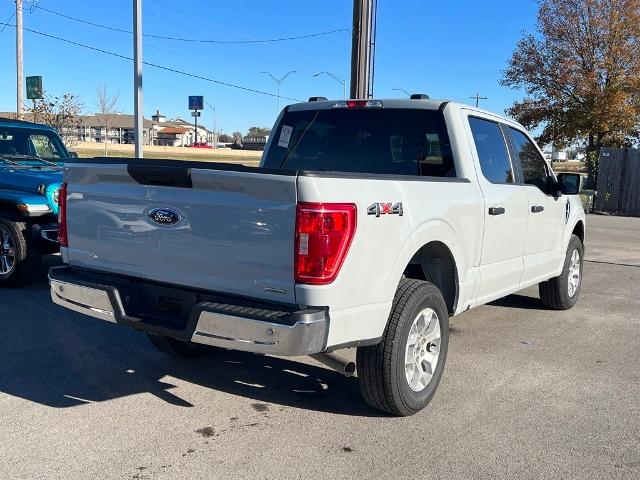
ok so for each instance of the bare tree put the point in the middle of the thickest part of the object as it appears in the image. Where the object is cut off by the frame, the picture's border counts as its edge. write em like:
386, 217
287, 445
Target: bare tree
106, 104
61, 113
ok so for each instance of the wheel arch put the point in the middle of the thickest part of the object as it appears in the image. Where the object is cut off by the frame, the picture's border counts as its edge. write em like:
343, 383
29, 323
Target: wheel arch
434, 262
437, 239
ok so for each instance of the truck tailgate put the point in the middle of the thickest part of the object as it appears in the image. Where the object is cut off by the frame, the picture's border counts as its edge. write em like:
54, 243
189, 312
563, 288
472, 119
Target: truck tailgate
225, 230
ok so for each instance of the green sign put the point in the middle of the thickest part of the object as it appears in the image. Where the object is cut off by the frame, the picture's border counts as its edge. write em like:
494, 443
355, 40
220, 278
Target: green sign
34, 88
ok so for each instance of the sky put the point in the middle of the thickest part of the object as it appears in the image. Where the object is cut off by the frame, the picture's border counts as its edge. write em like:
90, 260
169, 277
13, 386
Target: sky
449, 49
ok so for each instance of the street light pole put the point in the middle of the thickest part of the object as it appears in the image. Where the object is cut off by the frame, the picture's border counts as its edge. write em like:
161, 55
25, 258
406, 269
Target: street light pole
401, 90
19, 61
138, 123
337, 79
278, 81
215, 128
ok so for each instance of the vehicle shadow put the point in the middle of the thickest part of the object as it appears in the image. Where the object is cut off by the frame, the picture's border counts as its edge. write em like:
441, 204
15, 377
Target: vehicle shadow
62, 359
519, 301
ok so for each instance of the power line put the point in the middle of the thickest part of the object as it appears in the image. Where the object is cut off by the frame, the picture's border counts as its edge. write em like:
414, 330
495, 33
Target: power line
155, 65
5, 24
192, 40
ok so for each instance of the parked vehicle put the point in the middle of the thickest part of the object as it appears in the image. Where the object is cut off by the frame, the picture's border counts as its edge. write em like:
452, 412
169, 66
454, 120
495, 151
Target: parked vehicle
201, 145
255, 142
368, 224
30, 178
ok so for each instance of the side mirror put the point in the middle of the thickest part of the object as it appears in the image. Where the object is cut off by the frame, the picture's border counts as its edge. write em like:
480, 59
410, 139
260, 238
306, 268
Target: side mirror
569, 183
73, 154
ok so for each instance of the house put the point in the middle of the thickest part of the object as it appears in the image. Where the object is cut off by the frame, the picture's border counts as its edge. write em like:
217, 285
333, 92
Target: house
178, 132
98, 128
118, 128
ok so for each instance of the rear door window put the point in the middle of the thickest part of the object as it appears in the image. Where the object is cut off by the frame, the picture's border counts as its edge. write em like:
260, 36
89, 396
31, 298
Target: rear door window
492, 150
368, 140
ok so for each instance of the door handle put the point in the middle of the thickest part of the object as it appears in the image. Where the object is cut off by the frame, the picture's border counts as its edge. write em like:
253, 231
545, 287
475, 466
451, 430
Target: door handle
537, 209
496, 210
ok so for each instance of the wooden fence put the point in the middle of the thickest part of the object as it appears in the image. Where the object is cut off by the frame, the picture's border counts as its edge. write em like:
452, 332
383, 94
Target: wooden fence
618, 189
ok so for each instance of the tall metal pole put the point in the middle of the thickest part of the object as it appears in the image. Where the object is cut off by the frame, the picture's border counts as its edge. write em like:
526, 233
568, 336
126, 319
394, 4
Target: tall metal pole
478, 98
195, 131
19, 61
337, 79
401, 90
215, 127
137, 78
362, 48
278, 81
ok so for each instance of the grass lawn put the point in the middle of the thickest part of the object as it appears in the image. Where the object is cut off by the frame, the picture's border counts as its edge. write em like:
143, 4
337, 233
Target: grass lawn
224, 155
569, 167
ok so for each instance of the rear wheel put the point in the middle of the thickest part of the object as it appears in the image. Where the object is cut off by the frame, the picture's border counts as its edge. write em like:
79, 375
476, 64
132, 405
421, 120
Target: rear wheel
400, 375
19, 255
561, 292
178, 348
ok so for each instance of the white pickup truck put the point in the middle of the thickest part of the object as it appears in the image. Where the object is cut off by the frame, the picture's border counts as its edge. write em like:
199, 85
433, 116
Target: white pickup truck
367, 224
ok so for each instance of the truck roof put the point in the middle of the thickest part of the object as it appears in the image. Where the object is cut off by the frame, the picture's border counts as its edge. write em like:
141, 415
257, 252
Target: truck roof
14, 123
413, 103
429, 104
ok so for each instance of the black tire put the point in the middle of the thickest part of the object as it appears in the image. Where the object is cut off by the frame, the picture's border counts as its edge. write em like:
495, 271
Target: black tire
26, 254
554, 293
381, 368
178, 348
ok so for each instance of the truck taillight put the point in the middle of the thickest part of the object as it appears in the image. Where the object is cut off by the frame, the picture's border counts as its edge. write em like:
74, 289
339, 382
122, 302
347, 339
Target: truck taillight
62, 216
323, 235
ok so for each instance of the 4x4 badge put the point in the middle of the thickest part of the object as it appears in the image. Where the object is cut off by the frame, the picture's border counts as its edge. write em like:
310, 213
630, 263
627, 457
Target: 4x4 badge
378, 209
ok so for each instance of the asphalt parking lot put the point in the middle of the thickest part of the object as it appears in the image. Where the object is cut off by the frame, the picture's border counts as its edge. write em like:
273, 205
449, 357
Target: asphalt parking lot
527, 393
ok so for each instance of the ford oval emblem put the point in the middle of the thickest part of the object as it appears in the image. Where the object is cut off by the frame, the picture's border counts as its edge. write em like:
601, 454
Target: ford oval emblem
164, 216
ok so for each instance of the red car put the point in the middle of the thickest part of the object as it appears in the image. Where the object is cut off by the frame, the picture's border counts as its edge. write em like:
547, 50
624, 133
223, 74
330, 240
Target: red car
201, 145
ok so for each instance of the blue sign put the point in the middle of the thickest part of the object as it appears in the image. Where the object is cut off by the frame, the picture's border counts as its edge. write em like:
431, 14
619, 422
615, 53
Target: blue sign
196, 102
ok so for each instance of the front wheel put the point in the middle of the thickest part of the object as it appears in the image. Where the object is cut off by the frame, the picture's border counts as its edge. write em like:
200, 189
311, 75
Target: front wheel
400, 375
19, 255
561, 292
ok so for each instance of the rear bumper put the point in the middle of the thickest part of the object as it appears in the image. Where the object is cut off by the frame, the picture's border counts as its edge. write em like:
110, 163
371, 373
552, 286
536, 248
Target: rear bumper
201, 317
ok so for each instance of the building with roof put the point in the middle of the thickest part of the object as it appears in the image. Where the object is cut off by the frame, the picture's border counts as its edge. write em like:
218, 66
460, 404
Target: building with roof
178, 132
98, 128
118, 128
111, 128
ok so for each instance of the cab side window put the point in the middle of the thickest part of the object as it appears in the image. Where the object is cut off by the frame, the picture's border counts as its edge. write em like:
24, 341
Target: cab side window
492, 150
534, 168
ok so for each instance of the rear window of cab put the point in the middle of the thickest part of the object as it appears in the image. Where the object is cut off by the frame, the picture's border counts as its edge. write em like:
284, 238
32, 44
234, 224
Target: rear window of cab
367, 140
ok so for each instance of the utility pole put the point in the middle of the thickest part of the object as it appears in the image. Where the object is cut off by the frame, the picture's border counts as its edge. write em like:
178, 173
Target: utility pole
19, 61
138, 123
278, 81
363, 48
478, 98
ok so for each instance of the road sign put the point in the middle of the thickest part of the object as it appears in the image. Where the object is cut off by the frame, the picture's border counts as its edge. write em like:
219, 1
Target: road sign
34, 88
195, 113
196, 102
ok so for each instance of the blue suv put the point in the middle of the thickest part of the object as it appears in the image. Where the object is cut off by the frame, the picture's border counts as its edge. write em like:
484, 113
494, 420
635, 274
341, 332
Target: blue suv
31, 158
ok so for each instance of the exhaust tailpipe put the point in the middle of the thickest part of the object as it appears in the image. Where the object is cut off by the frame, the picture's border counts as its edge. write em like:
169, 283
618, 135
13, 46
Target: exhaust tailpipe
337, 363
